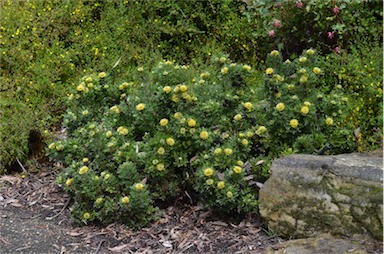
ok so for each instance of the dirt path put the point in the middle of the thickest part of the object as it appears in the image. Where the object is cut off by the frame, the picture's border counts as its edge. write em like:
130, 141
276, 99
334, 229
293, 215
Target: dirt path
34, 218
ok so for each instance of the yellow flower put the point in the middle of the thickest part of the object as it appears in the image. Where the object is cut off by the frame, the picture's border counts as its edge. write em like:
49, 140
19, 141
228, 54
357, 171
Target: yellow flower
208, 172
302, 71
99, 200
139, 186
261, 130
160, 167
205, 75
307, 103
304, 110
52, 146
274, 53
238, 117
183, 88
192, 130
229, 194
161, 150
218, 151
244, 142
69, 182
88, 79
302, 59
125, 200
90, 85
247, 67
222, 59
221, 184
86, 216
140, 69
122, 130
228, 151
170, 141
316, 70
83, 170
280, 106
178, 115
248, 106
167, 89
237, 169
71, 97
328, 121
240, 163
204, 135
80, 87
310, 52
115, 109
183, 130
209, 181
164, 122
224, 70
85, 160
140, 106
108, 134
294, 123
303, 79
191, 122
102, 75
269, 71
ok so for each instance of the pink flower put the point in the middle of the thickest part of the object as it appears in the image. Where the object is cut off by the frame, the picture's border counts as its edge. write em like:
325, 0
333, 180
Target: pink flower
331, 35
271, 33
336, 9
299, 4
337, 50
277, 23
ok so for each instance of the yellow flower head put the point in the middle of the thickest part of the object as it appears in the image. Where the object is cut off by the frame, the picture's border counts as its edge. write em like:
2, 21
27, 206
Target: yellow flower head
108, 134
160, 167
140, 69
86, 216
238, 117
222, 59
244, 142
102, 75
228, 151
208, 172
99, 200
167, 89
304, 110
183, 88
307, 103
139, 186
303, 79
164, 122
161, 150
69, 182
229, 194
183, 130
80, 87
240, 163
83, 170
115, 109
280, 106
125, 200
294, 123
274, 53
170, 141
52, 146
247, 67
191, 122
261, 129
269, 71
209, 181
204, 135
218, 151
310, 52
140, 106
221, 184
178, 115
316, 70
328, 121
248, 106
122, 130
85, 160
302, 59
237, 169
224, 70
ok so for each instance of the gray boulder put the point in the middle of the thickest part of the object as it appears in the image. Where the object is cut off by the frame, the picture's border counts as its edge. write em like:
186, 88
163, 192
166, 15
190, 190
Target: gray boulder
308, 195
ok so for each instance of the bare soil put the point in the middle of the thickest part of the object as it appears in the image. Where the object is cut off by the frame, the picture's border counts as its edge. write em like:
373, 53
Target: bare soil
34, 218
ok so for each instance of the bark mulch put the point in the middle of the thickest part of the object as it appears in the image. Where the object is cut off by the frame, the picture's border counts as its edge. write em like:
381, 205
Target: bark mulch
34, 218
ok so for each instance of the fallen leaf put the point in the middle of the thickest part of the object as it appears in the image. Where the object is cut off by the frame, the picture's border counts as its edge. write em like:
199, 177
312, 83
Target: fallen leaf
167, 244
118, 248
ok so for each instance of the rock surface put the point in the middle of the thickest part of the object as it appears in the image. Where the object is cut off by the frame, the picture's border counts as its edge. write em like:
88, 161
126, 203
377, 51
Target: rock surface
319, 245
307, 195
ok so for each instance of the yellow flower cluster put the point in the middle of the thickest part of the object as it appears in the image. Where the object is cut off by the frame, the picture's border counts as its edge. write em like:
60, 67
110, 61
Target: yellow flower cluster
102, 75
247, 67
204, 135
86, 216
140, 106
310, 52
274, 53
218, 151
244, 142
115, 109
303, 79
85, 160
209, 181
108, 134
208, 172
303, 59
164, 122
122, 130
261, 130
99, 200
224, 70
83, 170
125, 200
124, 85
229, 194
178, 115
280, 106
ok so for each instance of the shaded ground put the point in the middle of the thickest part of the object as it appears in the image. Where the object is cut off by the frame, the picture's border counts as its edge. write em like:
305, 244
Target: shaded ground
34, 218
